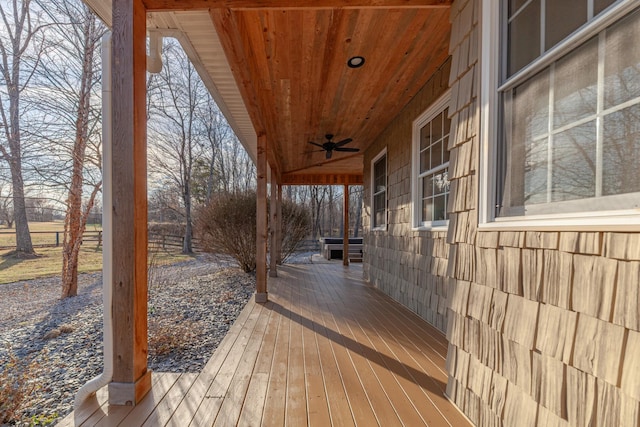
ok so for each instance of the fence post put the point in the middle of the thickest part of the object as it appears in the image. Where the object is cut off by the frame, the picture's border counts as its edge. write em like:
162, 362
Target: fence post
57, 239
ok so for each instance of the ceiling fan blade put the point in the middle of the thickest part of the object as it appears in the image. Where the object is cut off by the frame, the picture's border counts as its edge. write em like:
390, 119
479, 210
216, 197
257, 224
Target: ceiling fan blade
351, 150
343, 142
329, 152
316, 144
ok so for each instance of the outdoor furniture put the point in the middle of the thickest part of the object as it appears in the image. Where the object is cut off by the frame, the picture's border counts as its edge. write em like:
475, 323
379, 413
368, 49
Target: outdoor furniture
332, 248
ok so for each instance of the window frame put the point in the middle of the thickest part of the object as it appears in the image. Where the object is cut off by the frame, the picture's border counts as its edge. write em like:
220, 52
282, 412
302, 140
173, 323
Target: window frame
382, 154
492, 68
416, 188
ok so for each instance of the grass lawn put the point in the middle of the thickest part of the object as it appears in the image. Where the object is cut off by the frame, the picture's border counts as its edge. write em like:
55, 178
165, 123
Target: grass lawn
48, 263
49, 260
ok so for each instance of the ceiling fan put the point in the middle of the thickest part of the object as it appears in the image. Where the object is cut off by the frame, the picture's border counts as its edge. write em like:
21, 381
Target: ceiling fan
331, 146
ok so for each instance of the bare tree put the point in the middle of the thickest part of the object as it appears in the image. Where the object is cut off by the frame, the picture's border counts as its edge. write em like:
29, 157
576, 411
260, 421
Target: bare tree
318, 196
216, 133
236, 167
175, 97
70, 136
17, 41
355, 208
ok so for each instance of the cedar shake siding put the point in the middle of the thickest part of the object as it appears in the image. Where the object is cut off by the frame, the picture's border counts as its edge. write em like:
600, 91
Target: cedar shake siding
543, 326
408, 265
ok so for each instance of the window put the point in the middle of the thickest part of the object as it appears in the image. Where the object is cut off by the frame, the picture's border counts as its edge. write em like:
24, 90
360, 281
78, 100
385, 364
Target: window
379, 190
431, 165
567, 107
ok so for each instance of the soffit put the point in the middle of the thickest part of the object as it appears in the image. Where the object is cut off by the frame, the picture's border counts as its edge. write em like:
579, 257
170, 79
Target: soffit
282, 71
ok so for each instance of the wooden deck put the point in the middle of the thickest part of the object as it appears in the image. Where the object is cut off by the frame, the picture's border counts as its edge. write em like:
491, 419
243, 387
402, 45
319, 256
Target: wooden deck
326, 350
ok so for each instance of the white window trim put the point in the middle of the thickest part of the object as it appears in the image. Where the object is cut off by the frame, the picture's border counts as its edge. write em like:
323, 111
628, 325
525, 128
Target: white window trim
416, 200
381, 154
490, 63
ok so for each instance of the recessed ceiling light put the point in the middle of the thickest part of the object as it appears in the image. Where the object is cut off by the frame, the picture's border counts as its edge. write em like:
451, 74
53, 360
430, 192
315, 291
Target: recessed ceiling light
355, 62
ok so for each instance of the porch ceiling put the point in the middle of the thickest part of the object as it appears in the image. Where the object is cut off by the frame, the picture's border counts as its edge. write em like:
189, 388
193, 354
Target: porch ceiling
279, 67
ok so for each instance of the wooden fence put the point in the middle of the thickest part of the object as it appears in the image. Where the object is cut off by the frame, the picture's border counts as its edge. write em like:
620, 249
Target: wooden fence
52, 239
48, 239
170, 241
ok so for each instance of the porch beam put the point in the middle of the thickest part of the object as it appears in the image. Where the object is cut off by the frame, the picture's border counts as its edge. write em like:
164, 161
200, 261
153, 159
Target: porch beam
131, 378
177, 5
345, 227
322, 179
261, 220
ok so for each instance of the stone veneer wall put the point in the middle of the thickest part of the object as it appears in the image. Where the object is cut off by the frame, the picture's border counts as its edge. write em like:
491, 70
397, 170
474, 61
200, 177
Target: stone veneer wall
544, 327
409, 266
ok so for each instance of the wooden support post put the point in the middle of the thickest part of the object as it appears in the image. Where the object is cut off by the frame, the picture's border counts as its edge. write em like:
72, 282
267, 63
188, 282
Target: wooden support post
279, 226
273, 242
131, 378
261, 221
345, 228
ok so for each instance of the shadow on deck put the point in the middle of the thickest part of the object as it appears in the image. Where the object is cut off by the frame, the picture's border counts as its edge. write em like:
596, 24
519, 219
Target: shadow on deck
327, 349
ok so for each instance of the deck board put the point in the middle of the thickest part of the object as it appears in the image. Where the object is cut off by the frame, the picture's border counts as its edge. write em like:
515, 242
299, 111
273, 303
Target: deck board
327, 349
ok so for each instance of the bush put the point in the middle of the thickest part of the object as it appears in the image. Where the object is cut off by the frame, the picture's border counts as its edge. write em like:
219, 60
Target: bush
168, 334
17, 383
296, 226
228, 225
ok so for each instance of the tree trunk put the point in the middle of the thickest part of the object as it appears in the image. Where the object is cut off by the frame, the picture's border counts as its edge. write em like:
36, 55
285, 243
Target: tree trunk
72, 244
187, 243
20, 39
358, 214
75, 219
209, 191
23, 236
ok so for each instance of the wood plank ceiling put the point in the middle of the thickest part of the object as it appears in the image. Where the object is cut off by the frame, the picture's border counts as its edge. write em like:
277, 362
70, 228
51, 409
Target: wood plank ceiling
289, 59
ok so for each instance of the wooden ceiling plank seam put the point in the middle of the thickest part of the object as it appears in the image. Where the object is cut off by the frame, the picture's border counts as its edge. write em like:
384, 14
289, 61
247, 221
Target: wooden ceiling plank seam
311, 97
356, 77
352, 45
183, 5
412, 76
282, 70
324, 20
272, 71
250, 30
302, 107
296, 132
381, 103
372, 25
331, 69
350, 107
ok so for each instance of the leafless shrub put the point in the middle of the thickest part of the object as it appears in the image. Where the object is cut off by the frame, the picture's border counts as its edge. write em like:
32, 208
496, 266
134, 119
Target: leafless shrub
17, 383
296, 226
228, 225
167, 334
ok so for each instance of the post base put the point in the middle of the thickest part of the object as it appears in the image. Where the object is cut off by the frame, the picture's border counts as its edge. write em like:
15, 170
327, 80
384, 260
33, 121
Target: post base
130, 394
262, 297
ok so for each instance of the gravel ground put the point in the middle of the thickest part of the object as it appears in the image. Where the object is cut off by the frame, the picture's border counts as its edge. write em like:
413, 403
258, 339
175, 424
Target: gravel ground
191, 307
